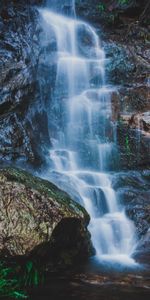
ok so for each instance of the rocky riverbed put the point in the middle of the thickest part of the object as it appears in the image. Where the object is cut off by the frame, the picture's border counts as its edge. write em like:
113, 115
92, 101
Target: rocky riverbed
95, 282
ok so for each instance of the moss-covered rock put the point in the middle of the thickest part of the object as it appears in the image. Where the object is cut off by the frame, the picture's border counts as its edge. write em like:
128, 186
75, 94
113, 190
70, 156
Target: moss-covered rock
36, 218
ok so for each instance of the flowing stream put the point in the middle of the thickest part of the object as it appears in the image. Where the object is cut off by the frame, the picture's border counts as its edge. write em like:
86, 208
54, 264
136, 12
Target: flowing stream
82, 133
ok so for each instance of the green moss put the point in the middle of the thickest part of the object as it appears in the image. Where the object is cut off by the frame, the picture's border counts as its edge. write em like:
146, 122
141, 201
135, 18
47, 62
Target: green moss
44, 187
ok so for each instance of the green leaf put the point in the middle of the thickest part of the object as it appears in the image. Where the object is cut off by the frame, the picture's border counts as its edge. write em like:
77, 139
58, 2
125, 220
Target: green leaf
20, 295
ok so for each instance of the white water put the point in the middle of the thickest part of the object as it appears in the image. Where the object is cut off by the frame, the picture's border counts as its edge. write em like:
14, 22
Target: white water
83, 136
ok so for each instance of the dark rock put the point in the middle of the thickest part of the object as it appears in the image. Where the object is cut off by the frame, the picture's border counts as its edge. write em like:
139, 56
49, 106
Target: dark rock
113, 13
133, 191
126, 44
39, 219
138, 121
14, 140
133, 143
142, 253
22, 96
119, 66
134, 99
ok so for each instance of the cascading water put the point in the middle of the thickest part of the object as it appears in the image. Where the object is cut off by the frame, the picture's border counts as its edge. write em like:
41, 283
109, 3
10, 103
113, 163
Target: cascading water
82, 135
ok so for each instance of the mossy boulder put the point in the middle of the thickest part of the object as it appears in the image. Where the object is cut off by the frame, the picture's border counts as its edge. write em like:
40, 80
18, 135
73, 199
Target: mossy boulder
37, 219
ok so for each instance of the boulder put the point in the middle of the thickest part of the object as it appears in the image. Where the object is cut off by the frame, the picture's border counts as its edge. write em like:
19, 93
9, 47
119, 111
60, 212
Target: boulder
37, 219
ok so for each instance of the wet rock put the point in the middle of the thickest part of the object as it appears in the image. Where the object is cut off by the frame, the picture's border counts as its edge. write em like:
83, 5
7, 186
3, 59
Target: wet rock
113, 13
21, 90
115, 106
127, 64
134, 99
14, 140
142, 253
126, 44
36, 218
138, 121
133, 191
119, 66
134, 141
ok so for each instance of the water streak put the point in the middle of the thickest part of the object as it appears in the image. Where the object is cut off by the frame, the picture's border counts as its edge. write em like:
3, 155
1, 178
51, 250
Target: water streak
83, 136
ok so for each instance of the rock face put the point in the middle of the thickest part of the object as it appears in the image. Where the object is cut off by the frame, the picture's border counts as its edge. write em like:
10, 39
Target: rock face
134, 145
142, 253
127, 49
21, 109
36, 218
133, 191
113, 12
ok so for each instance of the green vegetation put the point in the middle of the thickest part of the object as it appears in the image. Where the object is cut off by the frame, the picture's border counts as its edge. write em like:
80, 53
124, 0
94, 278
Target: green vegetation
15, 280
101, 7
32, 275
9, 283
112, 9
127, 145
123, 2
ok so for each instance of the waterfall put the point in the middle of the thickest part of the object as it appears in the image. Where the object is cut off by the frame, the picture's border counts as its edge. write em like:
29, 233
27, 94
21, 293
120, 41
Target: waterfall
66, 6
82, 134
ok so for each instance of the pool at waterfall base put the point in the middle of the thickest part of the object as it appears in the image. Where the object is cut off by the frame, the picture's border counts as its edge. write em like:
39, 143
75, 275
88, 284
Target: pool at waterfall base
95, 280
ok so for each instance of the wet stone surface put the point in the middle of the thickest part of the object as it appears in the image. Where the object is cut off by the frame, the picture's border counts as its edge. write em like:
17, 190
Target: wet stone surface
94, 282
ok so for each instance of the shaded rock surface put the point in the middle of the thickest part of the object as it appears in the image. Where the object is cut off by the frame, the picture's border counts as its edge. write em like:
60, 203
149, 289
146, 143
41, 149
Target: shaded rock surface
142, 252
113, 12
133, 191
128, 68
22, 105
36, 218
134, 146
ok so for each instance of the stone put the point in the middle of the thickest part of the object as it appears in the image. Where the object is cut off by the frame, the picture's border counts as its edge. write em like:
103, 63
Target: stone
142, 253
133, 147
37, 219
22, 115
133, 191
134, 99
